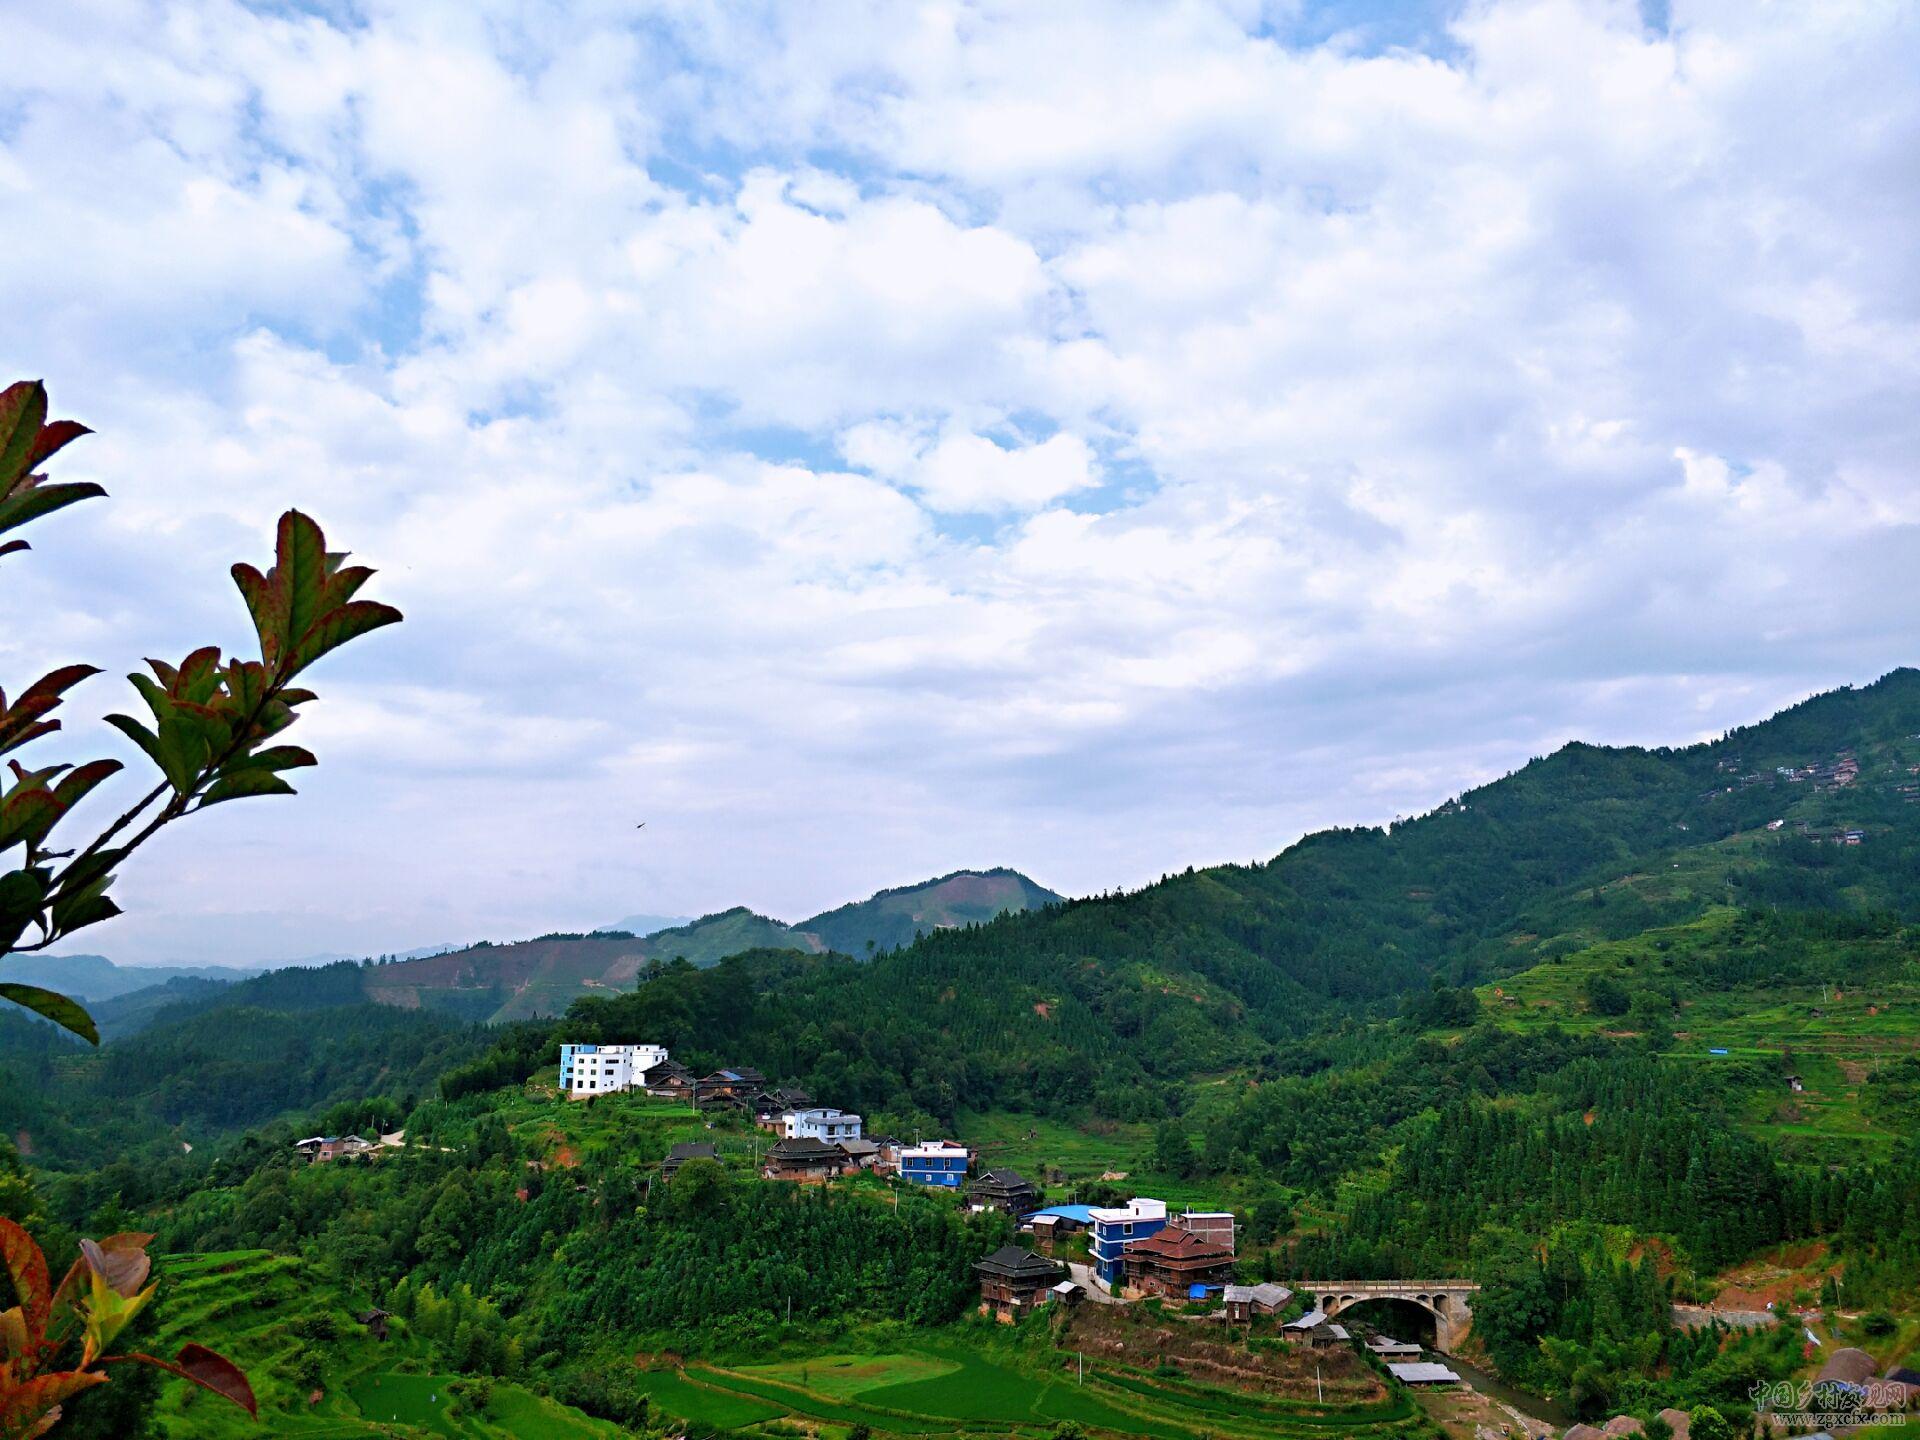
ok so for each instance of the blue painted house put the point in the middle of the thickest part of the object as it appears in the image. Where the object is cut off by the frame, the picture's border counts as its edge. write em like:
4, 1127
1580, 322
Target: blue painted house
1115, 1229
937, 1163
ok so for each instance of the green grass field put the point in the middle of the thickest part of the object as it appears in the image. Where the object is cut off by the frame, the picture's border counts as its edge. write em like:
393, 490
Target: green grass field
1833, 1036
844, 1376
1031, 1144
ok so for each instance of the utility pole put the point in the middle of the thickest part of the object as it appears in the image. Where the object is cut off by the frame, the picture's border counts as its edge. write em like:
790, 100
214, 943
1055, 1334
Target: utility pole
1083, 1367
1318, 1388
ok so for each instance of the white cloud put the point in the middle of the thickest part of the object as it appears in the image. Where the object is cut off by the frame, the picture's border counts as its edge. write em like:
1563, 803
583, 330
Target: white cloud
876, 440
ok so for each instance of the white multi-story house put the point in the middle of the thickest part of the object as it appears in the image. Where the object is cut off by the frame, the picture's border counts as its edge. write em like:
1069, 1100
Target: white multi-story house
822, 1122
599, 1069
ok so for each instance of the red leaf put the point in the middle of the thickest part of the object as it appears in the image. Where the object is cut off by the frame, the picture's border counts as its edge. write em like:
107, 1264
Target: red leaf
28, 1267
53, 437
31, 1399
23, 406
56, 682
206, 1368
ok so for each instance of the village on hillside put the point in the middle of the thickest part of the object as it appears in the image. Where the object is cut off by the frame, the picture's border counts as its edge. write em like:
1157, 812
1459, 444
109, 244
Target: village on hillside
1181, 1264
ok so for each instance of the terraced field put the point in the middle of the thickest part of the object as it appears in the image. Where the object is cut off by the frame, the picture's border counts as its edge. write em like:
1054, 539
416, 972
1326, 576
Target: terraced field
267, 1312
954, 1390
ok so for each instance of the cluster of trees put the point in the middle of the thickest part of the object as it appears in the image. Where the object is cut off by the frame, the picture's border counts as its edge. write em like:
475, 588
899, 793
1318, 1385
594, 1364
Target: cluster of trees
1574, 1316
596, 1253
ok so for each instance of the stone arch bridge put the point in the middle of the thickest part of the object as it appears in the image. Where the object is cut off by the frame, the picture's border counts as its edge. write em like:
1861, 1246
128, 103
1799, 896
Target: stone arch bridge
1450, 1302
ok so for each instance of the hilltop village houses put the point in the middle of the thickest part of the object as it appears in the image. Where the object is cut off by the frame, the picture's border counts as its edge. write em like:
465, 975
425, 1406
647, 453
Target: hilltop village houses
1140, 1249
587, 1070
817, 1142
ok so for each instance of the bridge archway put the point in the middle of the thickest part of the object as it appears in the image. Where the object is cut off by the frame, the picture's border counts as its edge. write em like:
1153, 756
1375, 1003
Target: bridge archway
1402, 1317
1448, 1302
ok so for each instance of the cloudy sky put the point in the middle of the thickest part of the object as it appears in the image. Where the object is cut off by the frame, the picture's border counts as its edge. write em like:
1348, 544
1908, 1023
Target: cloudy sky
864, 440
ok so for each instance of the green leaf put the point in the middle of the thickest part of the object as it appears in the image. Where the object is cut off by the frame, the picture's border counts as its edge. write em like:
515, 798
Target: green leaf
341, 624
23, 895
183, 752
78, 912
30, 502
90, 870
66, 1013
274, 757
266, 605
301, 556
140, 735
27, 814
242, 785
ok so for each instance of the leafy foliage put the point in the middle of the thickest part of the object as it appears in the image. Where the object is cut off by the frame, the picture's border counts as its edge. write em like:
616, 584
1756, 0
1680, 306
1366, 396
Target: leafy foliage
211, 722
54, 1338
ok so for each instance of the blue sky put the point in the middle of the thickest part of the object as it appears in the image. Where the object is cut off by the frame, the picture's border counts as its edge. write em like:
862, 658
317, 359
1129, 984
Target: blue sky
867, 440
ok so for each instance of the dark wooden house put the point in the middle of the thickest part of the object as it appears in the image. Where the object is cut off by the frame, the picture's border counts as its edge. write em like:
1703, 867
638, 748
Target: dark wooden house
738, 1087
669, 1078
1015, 1281
1007, 1191
804, 1160
680, 1154
1172, 1261
769, 1106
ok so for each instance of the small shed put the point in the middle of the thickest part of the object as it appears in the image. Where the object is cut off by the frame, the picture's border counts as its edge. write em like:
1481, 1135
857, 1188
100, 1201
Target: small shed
1389, 1348
862, 1154
1054, 1223
1423, 1372
1243, 1302
376, 1321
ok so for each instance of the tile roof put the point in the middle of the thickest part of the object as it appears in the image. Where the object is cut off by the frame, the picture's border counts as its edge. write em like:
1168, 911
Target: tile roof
1013, 1263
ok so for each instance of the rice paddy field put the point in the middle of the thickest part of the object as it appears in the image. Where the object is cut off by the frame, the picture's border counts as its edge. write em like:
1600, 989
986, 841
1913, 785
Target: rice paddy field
954, 1389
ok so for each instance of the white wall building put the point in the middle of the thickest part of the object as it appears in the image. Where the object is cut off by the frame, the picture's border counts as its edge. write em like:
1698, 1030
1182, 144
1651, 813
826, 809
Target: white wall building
822, 1122
600, 1069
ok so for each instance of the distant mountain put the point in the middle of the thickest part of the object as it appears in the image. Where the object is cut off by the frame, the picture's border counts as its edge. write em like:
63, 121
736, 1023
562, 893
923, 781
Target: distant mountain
498, 982
134, 1011
645, 925
899, 916
94, 978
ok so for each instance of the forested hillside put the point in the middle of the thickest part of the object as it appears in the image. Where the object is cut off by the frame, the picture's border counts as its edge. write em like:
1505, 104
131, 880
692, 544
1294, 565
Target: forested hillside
1112, 1002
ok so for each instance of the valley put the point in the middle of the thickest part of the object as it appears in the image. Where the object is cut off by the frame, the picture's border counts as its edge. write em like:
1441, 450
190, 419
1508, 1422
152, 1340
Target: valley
1599, 1038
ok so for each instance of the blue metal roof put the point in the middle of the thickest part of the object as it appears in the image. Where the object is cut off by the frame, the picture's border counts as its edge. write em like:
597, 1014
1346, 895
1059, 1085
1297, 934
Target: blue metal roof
1082, 1213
